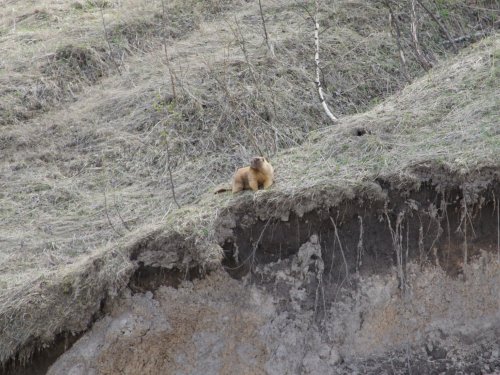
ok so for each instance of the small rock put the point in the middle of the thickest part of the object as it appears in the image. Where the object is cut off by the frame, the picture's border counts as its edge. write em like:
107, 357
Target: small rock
334, 357
324, 351
435, 352
429, 347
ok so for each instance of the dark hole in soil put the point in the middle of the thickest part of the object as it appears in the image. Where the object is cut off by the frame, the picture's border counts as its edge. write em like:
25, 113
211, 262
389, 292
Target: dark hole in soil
148, 278
42, 359
360, 132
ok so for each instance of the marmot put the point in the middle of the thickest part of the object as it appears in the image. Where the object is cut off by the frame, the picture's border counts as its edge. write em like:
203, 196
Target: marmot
260, 174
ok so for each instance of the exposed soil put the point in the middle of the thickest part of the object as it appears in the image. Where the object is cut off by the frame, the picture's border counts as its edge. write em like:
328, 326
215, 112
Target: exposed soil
43, 359
376, 284
361, 234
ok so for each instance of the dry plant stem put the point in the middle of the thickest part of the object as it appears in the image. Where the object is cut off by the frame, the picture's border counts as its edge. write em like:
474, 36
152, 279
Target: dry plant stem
421, 243
242, 43
164, 42
397, 242
266, 35
498, 228
414, 35
107, 215
169, 168
252, 138
110, 52
255, 246
170, 71
316, 59
174, 93
465, 213
440, 24
231, 102
341, 248
359, 254
448, 228
120, 216
395, 26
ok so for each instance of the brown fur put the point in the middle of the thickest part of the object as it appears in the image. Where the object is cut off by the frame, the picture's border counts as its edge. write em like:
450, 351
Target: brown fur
260, 174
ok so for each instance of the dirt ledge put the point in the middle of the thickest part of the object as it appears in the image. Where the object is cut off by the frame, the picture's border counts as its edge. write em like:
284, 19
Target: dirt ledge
369, 230
364, 221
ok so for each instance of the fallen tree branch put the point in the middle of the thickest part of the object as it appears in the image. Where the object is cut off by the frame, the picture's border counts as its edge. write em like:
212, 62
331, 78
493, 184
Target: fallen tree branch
467, 37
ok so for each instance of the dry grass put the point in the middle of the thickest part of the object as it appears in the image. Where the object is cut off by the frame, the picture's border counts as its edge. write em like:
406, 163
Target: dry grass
82, 148
447, 120
42, 41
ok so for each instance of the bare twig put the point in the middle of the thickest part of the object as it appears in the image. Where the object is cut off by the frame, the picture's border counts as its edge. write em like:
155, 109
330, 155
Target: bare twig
107, 215
359, 253
316, 59
164, 42
395, 26
110, 52
238, 34
440, 24
169, 168
174, 93
166, 213
266, 36
120, 216
424, 62
341, 248
252, 137
397, 242
251, 257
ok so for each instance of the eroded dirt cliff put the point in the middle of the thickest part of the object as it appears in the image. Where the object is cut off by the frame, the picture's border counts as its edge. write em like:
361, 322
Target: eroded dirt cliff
408, 282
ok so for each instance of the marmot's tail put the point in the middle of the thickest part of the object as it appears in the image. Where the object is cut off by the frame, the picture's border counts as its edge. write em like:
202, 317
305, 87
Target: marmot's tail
222, 190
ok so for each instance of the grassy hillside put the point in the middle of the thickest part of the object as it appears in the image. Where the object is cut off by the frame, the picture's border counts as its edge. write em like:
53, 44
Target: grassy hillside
94, 116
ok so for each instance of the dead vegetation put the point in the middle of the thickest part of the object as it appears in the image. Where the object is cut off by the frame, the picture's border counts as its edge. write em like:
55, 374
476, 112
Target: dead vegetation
82, 147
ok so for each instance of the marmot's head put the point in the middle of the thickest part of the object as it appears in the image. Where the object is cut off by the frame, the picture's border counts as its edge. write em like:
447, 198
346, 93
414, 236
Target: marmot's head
257, 162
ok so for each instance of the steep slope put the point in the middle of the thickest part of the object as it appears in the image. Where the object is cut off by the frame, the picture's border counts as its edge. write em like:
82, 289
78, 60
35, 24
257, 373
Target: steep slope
394, 203
88, 110
376, 251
